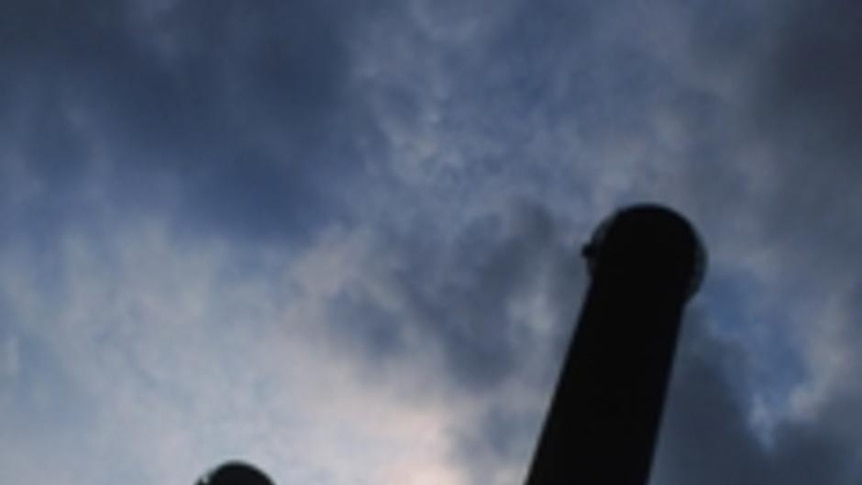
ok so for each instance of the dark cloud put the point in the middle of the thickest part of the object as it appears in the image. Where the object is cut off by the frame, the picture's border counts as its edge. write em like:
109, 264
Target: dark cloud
705, 436
839, 413
788, 83
809, 87
462, 294
789, 77
707, 433
793, 70
554, 62
228, 109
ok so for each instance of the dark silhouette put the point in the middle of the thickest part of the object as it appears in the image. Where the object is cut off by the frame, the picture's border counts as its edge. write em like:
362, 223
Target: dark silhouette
235, 473
645, 262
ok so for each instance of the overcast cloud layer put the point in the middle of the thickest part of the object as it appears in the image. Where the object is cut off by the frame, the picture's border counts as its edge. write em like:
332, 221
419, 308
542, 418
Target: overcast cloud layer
340, 239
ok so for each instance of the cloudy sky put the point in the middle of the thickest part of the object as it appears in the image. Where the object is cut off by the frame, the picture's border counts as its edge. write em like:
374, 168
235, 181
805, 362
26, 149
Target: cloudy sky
340, 238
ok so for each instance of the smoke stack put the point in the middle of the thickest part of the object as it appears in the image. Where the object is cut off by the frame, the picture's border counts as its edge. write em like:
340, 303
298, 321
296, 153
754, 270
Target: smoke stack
235, 473
645, 263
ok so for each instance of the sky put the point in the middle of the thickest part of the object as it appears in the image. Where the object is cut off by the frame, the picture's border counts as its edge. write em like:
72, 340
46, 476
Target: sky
341, 239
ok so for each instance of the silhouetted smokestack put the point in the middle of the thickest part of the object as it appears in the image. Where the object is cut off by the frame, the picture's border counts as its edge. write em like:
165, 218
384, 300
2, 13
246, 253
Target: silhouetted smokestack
235, 473
645, 263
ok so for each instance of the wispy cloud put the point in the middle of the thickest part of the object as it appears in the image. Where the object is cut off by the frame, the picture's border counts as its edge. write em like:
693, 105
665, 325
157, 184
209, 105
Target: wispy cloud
159, 355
